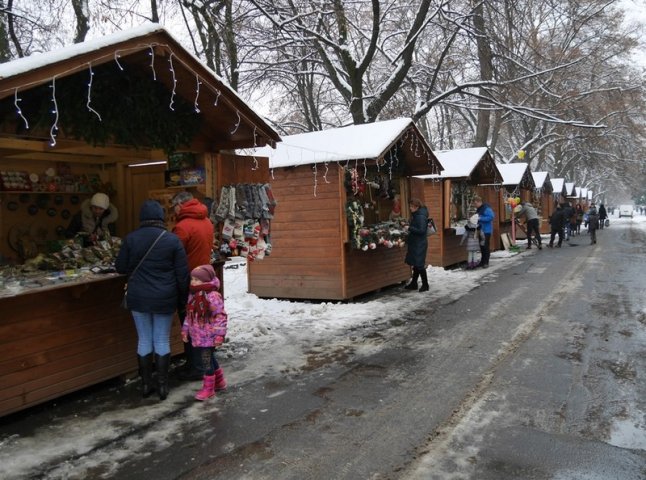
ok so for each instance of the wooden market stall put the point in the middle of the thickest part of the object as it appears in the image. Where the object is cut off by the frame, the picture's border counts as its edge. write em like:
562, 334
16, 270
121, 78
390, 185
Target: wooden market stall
559, 192
517, 182
571, 196
108, 115
542, 199
331, 236
449, 198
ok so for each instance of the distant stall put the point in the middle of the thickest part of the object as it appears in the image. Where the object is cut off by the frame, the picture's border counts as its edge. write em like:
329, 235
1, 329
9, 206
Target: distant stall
108, 115
571, 196
342, 198
517, 182
542, 199
449, 196
559, 192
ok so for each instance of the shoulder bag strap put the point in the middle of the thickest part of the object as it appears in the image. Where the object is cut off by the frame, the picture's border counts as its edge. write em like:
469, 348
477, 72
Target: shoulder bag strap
146, 254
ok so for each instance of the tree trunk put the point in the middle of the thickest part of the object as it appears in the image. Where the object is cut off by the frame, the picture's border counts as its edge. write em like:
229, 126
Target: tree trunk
486, 73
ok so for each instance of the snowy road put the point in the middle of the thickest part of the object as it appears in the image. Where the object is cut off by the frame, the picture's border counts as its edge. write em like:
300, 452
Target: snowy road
533, 369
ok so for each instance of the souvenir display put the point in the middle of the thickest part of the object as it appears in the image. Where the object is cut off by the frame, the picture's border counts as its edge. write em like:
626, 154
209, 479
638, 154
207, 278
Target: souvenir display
14, 181
367, 230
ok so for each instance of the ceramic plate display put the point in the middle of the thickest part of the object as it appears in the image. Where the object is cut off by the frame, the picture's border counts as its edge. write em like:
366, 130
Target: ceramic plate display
33, 177
60, 230
51, 212
74, 199
13, 206
58, 199
32, 209
50, 172
65, 214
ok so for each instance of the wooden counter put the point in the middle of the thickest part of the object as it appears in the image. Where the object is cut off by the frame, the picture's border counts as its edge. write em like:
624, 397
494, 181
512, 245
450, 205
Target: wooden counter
58, 339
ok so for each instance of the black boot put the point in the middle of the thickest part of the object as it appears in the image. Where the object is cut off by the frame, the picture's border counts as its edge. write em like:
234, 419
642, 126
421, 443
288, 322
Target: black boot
413, 283
190, 370
162, 363
146, 374
424, 287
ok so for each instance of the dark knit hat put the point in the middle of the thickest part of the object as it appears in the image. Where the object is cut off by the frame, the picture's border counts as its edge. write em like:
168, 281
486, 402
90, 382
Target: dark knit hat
205, 273
151, 210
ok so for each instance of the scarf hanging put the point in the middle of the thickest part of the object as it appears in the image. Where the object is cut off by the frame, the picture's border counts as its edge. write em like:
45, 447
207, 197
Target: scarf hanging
197, 308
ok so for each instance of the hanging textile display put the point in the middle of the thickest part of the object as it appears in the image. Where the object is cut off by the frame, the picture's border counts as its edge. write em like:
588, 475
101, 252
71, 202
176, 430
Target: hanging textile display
244, 213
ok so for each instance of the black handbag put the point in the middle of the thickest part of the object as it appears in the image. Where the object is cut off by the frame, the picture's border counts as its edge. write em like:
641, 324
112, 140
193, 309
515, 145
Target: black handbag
124, 300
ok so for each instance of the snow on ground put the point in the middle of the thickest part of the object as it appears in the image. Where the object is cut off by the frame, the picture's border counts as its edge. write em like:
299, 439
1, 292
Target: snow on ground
263, 334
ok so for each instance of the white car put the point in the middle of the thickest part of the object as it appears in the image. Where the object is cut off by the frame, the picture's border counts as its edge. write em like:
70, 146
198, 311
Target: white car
626, 211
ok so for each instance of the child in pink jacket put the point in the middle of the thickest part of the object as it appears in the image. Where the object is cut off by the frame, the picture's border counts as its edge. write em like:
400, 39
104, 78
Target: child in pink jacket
206, 324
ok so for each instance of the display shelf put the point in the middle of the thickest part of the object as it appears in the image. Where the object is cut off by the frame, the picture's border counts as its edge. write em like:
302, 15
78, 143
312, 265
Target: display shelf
37, 192
184, 187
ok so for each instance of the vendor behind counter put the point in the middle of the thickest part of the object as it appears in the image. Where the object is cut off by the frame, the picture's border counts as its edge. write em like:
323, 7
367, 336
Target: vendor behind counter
95, 221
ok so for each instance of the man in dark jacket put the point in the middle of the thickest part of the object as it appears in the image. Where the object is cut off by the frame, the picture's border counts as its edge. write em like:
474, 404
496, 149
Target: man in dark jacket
195, 230
557, 224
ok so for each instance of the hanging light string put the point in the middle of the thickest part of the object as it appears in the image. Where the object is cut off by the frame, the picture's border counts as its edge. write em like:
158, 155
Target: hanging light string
237, 125
117, 54
197, 95
172, 70
255, 145
315, 178
116, 59
152, 62
18, 110
89, 95
54, 129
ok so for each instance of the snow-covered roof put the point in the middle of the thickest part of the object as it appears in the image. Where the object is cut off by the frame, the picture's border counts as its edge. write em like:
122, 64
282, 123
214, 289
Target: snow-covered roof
354, 142
569, 188
37, 60
458, 163
558, 183
539, 178
584, 193
461, 162
589, 194
512, 173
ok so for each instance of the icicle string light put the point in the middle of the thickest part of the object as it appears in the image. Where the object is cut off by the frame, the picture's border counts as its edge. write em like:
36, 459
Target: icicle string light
235, 127
18, 109
152, 62
255, 145
89, 95
116, 55
53, 130
197, 93
116, 59
325, 174
172, 70
315, 178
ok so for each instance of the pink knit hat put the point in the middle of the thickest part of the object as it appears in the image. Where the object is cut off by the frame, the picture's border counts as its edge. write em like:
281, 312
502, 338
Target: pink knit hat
204, 273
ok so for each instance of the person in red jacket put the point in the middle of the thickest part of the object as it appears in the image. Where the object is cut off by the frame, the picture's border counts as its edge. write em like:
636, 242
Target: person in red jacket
195, 230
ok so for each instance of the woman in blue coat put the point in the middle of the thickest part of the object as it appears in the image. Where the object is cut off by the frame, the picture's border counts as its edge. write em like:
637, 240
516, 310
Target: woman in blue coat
155, 290
486, 217
417, 244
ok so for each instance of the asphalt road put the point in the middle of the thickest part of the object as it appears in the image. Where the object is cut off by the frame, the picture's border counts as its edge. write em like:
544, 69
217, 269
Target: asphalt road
536, 374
